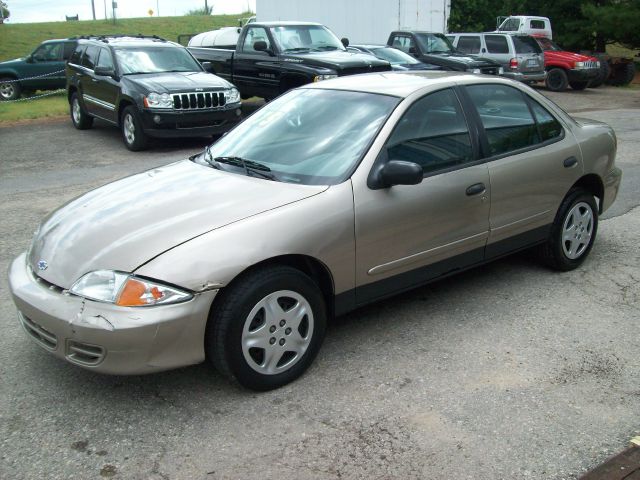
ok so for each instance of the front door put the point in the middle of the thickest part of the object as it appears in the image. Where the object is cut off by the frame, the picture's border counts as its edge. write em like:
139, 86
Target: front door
406, 235
101, 91
257, 72
45, 67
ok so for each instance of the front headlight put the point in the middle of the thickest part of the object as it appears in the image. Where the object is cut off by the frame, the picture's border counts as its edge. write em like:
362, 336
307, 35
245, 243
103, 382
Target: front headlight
233, 95
158, 100
319, 78
579, 65
126, 290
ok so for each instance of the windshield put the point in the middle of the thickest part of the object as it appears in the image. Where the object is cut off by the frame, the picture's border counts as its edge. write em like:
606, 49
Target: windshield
291, 38
548, 45
434, 43
308, 136
393, 56
155, 60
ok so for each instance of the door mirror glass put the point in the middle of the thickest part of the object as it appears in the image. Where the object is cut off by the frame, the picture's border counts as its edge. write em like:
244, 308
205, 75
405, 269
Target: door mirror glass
104, 71
399, 172
345, 42
208, 66
260, 46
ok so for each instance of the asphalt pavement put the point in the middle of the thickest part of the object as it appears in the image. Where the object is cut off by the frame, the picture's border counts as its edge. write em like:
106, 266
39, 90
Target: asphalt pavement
508, 371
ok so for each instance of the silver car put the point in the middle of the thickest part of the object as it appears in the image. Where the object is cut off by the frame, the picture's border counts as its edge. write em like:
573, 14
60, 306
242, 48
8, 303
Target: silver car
334, 195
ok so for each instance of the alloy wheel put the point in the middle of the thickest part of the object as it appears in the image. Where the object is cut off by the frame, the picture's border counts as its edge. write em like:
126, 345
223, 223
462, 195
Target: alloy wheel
76, 112
7, 91
129, 129
577, 230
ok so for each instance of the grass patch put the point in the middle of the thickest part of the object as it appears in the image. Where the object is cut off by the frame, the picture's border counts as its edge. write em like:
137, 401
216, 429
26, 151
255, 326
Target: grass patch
20, 39
53, 106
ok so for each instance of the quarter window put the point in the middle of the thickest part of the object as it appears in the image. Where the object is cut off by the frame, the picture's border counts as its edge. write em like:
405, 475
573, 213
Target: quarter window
496, 44
256, 34
537, 24
506, 118
432, 133
549, 127
469, 44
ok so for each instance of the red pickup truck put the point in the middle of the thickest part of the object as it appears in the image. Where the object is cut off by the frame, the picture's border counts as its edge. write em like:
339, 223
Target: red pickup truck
567, 68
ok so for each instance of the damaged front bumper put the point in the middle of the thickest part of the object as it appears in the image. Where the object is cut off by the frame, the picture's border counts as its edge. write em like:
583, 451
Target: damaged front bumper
104, 337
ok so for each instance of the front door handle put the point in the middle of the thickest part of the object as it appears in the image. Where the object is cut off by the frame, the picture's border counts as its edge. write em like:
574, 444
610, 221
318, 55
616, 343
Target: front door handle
476, 189
570, 162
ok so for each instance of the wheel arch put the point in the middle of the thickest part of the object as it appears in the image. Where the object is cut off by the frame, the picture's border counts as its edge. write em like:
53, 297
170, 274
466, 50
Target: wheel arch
72, 89
592, 183
122, 104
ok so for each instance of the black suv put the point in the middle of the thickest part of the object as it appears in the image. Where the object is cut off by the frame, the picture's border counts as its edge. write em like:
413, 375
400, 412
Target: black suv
149, 87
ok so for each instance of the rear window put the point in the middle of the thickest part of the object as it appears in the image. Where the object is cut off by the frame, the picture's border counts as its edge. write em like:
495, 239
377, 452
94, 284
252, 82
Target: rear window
526, 44
469, 44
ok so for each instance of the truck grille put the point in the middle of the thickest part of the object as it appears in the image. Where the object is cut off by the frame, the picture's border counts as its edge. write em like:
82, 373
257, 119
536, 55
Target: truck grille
590, 64
198, 100
489, 70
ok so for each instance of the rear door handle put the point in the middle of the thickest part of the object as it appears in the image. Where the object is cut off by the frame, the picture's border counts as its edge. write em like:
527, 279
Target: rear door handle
476, 189
570, 162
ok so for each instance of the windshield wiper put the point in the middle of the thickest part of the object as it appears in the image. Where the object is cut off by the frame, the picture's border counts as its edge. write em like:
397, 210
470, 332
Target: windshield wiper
326, 47
297, 49
250, 167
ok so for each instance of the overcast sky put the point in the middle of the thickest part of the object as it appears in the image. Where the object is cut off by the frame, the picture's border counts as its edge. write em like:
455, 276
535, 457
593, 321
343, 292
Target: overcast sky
55, 10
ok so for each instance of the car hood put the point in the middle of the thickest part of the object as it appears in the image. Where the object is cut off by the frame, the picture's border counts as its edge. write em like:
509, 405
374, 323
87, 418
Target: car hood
178, 81
337, 60
550, 55
124, 224
11, 63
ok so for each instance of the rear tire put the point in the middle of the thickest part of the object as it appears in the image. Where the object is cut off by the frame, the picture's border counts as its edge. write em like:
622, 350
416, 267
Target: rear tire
573, 232
80, 119
579, 85
603, 74
622, 75
133, 134
266, 328
557, 80
9, 89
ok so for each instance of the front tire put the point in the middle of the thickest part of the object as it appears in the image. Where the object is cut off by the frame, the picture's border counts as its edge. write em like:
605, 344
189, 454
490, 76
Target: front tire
572, 233
80, 119
557, 80
9, 89
133, 134
266, 329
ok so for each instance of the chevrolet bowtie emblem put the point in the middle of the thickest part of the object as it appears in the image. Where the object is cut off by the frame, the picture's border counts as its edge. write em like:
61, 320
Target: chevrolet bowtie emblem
42, 265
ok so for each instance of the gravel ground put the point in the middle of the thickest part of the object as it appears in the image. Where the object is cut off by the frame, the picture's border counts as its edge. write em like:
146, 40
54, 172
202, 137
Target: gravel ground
508, 371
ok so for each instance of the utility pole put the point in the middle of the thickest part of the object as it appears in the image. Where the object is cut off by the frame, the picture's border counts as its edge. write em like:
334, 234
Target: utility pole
93, 8
206, 7
105, 10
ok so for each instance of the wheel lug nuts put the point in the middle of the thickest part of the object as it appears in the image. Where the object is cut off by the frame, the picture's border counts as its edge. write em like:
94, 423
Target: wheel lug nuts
272, 329
283, 323
288, 331
281, 341
272, 340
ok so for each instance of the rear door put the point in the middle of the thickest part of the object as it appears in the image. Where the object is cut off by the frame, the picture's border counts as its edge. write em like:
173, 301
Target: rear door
497, 48
470, 44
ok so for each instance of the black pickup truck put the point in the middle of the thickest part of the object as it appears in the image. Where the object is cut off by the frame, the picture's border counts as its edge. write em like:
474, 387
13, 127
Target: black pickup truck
436, 49
273, 57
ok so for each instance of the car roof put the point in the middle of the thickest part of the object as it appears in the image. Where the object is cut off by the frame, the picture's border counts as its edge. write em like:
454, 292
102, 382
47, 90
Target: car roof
129, 41
403, 84
368, 45
281, 24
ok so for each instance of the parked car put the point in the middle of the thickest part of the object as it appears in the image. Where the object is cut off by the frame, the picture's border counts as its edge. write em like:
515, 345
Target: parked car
148, 87
436, 49
43, 69
334, 195
273, 57
397, 58
520, 56
567, 68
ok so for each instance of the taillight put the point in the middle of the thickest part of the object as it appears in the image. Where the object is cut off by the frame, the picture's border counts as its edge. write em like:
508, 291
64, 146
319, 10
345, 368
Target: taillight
513, 64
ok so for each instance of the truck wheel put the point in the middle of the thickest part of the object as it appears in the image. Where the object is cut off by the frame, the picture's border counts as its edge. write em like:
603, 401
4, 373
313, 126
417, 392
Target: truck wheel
603, 74
578, 85
9, 89
80, 119
623, 74
557, 80
132, 132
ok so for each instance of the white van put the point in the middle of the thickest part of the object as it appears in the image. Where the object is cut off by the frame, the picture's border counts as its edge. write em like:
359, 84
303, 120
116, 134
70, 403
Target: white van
534, 26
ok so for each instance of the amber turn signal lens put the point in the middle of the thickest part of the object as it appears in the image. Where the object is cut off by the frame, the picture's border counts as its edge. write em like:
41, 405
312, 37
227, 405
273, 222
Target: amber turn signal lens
132, 294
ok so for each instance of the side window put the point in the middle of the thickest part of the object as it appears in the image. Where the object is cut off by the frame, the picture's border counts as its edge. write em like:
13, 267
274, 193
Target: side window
505, 116
90, 56
105, 60
403, 43
549, 127
256, 34
76, 57
432, 133
469, 44
68, 50
537, 24
496, 44
49, 52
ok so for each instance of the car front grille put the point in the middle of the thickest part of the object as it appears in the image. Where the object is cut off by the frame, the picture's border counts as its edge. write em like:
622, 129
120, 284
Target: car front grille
40, 334
198, 100
490, 70
590, 64
84, 353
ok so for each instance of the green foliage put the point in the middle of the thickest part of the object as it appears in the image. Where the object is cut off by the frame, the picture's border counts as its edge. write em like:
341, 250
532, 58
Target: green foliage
5, 11
584, 25
20, 39
200, 11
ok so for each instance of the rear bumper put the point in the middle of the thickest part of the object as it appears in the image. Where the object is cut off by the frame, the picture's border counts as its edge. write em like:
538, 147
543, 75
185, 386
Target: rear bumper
611, 188
107, 338
527, 77
167, 124
582, 75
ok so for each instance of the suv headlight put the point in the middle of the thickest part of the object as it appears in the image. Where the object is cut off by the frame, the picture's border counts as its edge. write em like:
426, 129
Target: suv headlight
158, 100
126, 290
319, 78
579, 65
233, 95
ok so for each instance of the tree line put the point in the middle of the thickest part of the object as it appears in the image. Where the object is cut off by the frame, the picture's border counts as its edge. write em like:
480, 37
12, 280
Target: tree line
577, 25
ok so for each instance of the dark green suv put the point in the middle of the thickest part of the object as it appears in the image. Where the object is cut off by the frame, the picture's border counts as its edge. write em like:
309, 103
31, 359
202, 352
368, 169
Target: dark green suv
41, 70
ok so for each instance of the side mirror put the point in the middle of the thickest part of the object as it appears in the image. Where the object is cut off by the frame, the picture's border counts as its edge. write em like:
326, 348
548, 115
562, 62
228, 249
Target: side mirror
396, 172
104, 71
345, 42
261, 46
38, 58
208, 66
412, 50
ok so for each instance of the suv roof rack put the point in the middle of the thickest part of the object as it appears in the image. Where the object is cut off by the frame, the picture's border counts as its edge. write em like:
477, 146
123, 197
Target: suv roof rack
106, 38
